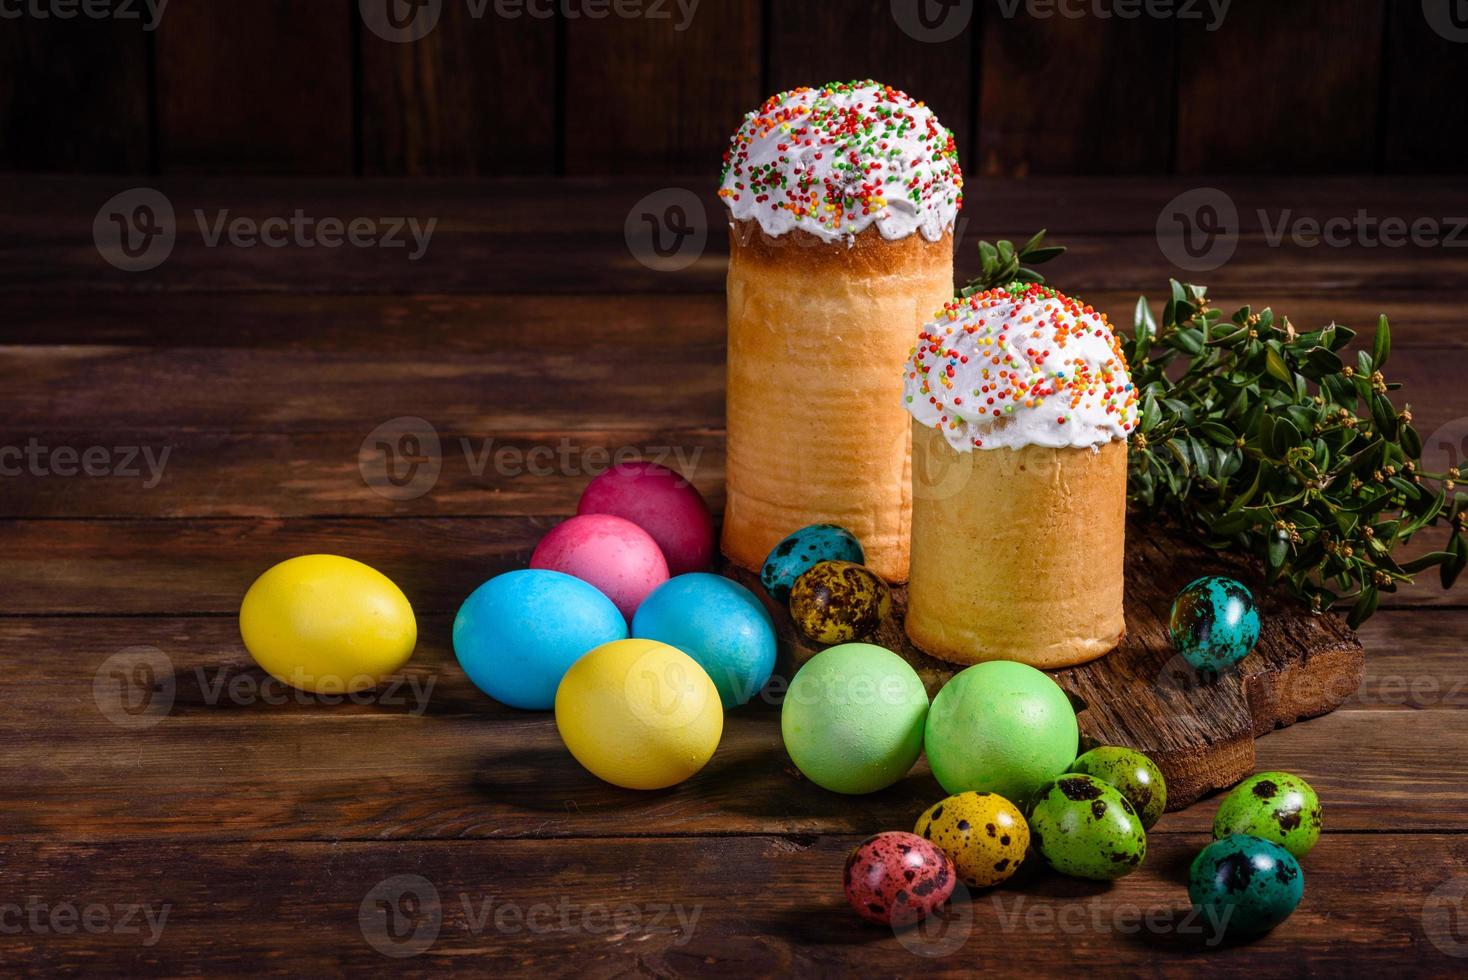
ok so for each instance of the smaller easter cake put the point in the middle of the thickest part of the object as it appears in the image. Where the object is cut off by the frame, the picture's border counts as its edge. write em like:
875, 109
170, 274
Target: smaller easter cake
1021, 404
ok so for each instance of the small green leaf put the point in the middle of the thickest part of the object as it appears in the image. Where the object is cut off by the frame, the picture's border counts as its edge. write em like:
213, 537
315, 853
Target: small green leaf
1142, 323
1286, 436
1278, 551
1217, 433
1411, 441
1382, 346
1384, 416
1189, 339
1423, 562
1320, 362
1343, 336
1042, 255
1151, 414
1274, 364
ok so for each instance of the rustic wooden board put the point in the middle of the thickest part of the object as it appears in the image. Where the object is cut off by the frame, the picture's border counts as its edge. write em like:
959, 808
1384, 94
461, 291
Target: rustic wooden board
659, 94
258, 367
475, 95
1199, 729
485, 325
1044, 110
74, 93
752, 906
41, 210
666, 388
1422, 135
227, 758
1244, 108
519, 236
153, 566
255, 86
1091, 92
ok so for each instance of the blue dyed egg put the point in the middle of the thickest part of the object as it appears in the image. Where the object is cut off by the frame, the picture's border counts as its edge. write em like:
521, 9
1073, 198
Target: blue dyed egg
798, 553
718, 623
1245, 885
1214, 623
519, 633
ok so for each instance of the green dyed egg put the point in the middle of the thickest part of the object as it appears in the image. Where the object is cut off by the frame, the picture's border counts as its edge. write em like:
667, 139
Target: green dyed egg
1000, 727
1085, 828
839, 601
853, 718
1244, 885
1274, 806
1131, 772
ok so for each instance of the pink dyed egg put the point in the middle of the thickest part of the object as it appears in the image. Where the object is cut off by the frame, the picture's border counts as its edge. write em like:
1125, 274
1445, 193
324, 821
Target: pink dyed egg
896, 878
618, 557
663, 504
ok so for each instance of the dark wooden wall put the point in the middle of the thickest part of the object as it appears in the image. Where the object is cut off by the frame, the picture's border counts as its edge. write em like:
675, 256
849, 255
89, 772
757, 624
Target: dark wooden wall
304, 87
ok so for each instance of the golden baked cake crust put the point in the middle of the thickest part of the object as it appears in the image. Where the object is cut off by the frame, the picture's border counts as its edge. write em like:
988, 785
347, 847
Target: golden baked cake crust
818, 336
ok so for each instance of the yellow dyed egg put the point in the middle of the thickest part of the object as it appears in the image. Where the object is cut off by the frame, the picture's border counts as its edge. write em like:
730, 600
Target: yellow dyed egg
327, 624
639, 714
984, 835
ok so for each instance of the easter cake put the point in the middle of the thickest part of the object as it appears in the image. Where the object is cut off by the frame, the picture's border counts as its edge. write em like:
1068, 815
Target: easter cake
841, 202
1021, 406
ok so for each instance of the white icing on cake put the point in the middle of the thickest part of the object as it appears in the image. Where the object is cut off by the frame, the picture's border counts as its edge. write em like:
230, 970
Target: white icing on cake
1031, 367
836, 160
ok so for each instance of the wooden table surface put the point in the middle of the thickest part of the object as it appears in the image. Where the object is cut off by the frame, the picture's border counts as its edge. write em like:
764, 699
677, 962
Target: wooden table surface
162, 808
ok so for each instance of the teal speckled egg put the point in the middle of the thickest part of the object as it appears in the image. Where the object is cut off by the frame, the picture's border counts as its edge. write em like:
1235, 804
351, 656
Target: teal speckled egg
1245, 885
1131, 772
1085, 828
1275, 806
799, 552
1214, 623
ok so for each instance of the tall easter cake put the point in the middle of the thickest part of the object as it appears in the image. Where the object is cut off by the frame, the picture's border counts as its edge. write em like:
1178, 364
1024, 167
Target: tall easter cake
1021, 404
841, 202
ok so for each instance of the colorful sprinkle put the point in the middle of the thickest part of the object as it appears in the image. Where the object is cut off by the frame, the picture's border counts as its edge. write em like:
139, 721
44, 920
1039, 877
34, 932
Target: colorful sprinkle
832, 161
1042, 367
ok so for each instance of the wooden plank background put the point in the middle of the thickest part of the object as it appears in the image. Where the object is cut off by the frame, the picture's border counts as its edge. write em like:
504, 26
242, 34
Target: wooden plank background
307, 87
264, 825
